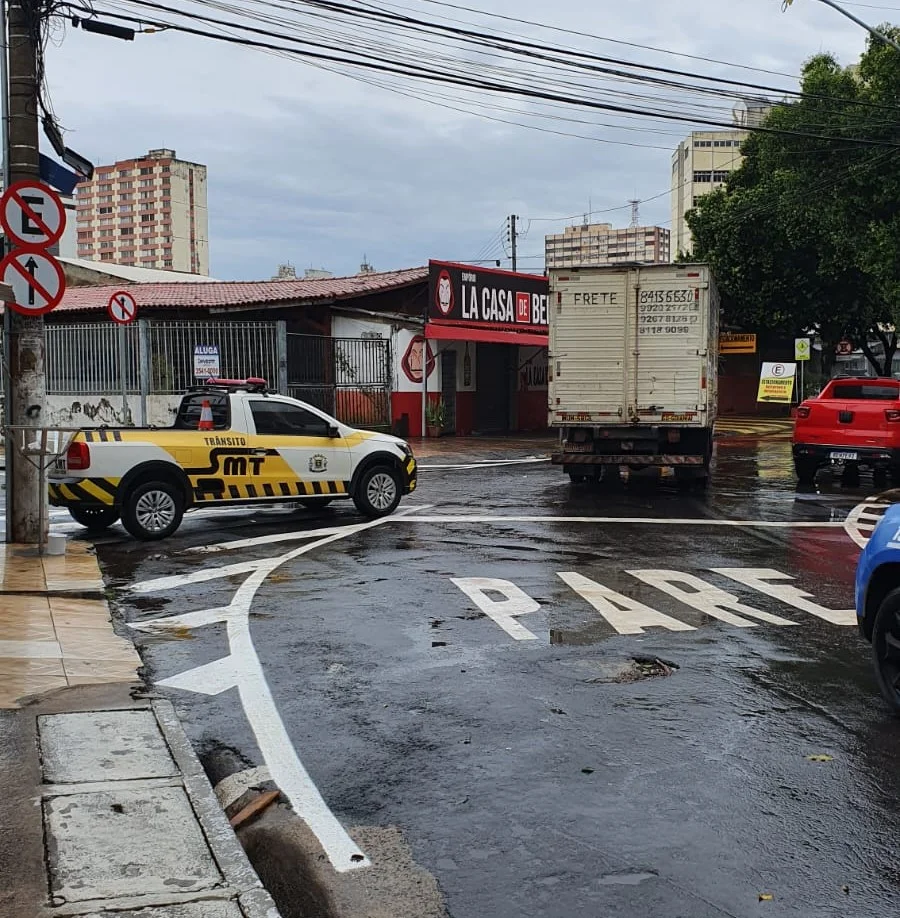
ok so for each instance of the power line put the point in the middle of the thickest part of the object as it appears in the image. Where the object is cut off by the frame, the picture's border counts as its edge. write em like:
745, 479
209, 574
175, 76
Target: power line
489, 85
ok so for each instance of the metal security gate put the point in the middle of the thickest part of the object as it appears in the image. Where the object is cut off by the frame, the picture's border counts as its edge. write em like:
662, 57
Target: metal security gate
349, 378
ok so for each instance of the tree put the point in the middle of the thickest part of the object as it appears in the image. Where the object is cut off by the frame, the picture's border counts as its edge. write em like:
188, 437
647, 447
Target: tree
805, 236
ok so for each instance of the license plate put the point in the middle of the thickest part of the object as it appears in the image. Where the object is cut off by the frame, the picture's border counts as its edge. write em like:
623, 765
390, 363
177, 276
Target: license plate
844, 455
578, 448
673, 416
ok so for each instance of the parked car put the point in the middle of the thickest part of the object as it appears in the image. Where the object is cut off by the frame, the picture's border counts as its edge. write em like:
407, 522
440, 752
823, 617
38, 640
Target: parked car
878, 602
853, 421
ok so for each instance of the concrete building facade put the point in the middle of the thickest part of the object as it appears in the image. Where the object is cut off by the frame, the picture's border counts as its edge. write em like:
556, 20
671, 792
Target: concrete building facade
592, 244
147, 212
701, 163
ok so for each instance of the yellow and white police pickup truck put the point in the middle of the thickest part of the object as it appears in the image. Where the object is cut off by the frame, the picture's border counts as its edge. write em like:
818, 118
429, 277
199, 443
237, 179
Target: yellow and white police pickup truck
262, 447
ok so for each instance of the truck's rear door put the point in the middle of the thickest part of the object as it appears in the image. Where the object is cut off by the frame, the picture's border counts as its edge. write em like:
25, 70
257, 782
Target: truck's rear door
670, 320
588, 346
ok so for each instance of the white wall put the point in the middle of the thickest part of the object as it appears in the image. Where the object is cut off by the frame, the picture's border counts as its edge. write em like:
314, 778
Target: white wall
99, 410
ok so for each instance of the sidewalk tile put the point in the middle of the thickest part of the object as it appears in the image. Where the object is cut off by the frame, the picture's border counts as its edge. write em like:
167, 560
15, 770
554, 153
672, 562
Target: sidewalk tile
95, 672
12, 688
103, 745
40, 650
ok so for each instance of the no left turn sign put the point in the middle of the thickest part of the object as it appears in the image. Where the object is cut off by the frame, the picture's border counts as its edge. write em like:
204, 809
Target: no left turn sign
122, 307
37, 281
32, 214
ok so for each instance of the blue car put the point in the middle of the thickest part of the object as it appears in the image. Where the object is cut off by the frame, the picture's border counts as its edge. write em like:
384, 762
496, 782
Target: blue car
878, 602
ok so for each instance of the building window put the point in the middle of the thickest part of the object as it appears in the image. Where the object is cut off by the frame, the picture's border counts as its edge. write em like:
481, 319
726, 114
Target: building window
105, 199
125, 185
167, 263
128, 254
124, 172
165, 169
147, 206
147, 252
124, 208
106, 187
84, 234
703, 176
167, 253
106, 256
146, 170
104, 210
146, 194
85, 246
720, 175
126, 231
146, 218
106, 221
127, 196
146, 183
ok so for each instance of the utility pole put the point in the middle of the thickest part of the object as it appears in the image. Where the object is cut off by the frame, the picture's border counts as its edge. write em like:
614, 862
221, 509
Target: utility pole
26, 520
513, 239
870, 29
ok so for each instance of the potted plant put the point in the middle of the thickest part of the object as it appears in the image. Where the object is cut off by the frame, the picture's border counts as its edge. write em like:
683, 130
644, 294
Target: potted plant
434, 418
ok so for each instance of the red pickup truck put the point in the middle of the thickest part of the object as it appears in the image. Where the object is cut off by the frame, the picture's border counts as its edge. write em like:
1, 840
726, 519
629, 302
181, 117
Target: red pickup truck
855, 421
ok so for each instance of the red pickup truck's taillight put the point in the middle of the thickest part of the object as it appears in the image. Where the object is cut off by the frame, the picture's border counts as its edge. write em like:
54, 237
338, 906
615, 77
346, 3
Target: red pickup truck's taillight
78, 456
802, 412
891, 414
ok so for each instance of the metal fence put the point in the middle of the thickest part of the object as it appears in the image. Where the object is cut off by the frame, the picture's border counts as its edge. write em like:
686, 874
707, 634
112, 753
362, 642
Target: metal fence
159, 356
349, 378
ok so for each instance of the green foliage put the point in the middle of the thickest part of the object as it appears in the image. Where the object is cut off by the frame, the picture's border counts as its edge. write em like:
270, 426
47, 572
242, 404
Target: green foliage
806, 234
434, 413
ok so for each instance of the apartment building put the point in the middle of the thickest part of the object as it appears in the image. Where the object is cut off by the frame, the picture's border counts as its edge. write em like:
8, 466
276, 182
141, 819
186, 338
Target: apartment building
149, 212
594, 244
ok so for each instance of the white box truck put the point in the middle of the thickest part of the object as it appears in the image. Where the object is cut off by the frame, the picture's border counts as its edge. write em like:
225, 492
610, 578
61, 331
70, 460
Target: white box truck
633, 366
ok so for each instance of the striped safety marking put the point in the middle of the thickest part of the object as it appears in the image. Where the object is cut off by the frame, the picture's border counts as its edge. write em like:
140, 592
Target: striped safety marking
275, 489
85, 491
634, 459
103, 436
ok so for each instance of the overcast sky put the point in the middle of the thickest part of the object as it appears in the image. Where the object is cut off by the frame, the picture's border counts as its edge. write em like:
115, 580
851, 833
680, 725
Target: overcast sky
321, 170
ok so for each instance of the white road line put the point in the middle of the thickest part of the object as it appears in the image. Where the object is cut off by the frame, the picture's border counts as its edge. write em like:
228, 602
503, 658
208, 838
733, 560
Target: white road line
504, 611
483, 464
643, 520
243, 670
853, 525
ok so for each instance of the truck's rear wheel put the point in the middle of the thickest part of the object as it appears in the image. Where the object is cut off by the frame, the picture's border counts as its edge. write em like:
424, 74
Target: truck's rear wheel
94, 519
378, 491
153, 510
577, 477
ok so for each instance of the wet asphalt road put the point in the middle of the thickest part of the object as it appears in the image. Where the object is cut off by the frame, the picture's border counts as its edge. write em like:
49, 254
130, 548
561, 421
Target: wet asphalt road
550, 775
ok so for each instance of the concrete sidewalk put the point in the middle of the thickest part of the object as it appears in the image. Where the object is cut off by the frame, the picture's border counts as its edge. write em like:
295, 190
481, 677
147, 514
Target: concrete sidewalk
104, 808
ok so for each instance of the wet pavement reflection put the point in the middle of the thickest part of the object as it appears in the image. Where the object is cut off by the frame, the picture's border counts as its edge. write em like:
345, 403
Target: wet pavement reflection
653, 715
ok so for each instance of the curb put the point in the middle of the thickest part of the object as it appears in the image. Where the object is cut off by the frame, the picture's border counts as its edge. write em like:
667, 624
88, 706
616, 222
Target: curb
253, 899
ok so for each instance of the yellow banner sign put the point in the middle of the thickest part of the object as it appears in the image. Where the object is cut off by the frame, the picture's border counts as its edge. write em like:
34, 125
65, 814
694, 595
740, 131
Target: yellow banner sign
776, 382
733, 343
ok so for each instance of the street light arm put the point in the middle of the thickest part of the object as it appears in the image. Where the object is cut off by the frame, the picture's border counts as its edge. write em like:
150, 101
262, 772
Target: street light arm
870, 29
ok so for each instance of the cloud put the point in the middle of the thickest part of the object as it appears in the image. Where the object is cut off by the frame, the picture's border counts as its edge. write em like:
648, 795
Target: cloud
321, 170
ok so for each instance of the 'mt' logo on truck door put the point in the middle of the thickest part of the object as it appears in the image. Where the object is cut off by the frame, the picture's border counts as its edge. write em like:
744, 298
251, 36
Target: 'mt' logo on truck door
237, 465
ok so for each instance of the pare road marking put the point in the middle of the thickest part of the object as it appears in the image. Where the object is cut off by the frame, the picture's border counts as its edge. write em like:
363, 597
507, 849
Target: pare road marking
629, 616
862, 520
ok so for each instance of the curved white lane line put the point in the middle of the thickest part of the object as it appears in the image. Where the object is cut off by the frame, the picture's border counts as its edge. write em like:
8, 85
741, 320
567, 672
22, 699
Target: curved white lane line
860, 518
242, 670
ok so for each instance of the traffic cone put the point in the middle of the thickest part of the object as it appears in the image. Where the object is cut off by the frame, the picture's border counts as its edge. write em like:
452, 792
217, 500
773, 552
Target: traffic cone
206, 418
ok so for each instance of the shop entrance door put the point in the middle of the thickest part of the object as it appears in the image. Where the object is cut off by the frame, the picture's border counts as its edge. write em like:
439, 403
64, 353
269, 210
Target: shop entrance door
492, 398
448, 390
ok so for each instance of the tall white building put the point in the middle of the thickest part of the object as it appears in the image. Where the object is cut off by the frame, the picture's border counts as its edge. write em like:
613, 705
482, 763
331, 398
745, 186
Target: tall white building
703, 161
594, 244
700, 163
149, 212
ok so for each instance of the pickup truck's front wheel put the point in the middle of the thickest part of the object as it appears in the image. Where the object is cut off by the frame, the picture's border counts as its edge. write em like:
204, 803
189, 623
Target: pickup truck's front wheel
153, 510
378, 491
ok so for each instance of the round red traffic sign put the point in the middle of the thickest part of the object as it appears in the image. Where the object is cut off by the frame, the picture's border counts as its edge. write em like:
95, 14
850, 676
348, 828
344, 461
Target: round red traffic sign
37, 281
122, 307
32, 214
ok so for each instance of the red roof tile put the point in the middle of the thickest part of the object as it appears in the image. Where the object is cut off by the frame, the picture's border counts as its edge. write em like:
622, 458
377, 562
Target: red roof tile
218, 294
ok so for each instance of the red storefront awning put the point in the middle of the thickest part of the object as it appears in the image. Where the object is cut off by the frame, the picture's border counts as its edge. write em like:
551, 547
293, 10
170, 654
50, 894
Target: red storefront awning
487, 335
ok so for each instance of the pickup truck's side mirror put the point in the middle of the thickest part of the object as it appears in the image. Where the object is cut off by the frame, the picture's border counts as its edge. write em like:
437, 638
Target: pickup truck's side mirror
333, 431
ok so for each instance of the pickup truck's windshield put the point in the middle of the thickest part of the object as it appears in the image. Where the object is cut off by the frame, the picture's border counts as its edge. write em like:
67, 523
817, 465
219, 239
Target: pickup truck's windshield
188, 416
863, 391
